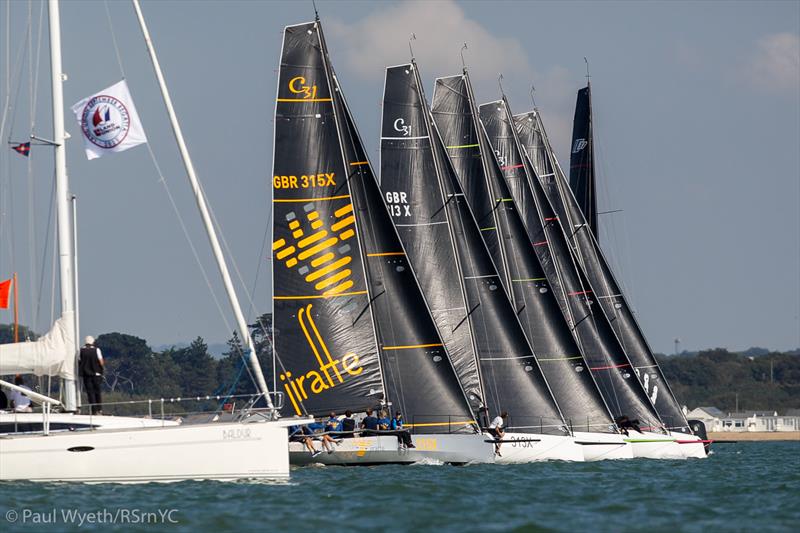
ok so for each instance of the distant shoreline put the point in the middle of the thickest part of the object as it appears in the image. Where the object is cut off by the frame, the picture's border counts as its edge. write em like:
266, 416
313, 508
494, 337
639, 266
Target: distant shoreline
754, 435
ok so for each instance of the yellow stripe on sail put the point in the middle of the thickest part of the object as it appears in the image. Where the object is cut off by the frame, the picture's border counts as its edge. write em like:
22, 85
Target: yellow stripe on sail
328, 269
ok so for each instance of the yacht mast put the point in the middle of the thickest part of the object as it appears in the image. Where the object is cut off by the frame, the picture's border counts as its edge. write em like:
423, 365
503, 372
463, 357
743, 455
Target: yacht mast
244, 332
65, 259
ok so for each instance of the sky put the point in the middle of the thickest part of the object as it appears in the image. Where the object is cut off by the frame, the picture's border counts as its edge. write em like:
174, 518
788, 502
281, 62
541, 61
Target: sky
697, 129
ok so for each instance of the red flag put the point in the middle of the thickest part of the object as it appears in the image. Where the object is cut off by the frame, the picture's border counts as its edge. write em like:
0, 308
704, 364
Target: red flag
5, 290
22, 148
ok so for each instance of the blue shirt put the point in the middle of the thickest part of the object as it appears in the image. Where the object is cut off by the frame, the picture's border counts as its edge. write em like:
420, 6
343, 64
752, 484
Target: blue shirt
333, 424
384, 422
397, 423
370, 422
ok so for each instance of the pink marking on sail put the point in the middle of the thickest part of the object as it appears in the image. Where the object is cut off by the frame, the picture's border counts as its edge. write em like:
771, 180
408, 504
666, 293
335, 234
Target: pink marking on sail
509, 167
608, 367
541, 243
548, 219
577, 293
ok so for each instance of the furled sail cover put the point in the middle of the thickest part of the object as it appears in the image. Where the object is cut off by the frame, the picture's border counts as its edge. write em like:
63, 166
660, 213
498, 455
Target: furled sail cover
613, 302
412, 194
581, 159
324, 340
53, 354
608, 361
535, 282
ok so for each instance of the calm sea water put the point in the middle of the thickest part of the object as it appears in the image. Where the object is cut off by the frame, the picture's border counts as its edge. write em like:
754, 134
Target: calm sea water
740, 487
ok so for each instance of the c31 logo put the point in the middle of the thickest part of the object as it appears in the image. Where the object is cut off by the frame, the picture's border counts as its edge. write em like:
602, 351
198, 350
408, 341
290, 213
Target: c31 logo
401, 126
298, 85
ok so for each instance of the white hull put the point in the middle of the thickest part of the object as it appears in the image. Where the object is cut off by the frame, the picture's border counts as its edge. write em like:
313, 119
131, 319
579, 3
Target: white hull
385, 449
654, 445
689, 448
602, 446
32, 422
222, 451
532, 447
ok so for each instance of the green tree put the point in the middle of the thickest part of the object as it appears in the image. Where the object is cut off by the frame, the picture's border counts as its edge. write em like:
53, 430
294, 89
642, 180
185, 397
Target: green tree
197, 372
7, 333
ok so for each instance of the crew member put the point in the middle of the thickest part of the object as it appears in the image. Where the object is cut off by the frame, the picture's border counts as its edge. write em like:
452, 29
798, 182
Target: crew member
91, 369
496, 430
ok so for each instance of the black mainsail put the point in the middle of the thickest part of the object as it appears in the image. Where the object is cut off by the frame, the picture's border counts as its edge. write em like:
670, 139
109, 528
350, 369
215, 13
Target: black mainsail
612, 367
536, 286
608, 293
410, 160
581, 159
349, 314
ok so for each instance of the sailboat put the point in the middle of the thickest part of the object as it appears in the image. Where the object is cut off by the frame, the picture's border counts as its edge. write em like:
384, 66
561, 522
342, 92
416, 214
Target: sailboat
612, 299
445, 248
538, 290
125, 449
354, 330
627, 396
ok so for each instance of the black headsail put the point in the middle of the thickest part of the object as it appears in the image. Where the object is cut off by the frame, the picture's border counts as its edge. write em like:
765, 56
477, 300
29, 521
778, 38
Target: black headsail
416, 166
382, 308
612, 301
610, 365
581, 159
536, 287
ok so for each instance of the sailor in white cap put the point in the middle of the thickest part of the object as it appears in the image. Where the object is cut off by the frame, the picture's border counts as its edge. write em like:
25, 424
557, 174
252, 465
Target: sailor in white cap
91, 369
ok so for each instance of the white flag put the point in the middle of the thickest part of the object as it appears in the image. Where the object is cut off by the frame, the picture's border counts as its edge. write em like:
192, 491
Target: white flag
109, 121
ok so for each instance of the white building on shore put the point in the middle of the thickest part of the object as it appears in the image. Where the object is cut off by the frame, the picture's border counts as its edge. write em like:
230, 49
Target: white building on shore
717, 421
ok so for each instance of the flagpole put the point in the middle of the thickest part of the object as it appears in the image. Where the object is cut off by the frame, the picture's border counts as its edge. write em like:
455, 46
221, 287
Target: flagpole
16, 309
244, 331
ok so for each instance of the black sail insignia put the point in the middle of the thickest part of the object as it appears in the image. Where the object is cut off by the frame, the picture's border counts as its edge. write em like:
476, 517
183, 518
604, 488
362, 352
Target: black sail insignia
609, 362
613, 303
581, 159
536, 287
324, 345
366, 306
511, 378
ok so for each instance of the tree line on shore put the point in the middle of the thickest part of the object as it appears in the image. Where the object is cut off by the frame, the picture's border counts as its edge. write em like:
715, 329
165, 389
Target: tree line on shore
716, 377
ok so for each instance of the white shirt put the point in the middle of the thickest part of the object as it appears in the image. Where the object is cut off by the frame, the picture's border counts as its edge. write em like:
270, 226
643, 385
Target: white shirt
497, 423
21, 403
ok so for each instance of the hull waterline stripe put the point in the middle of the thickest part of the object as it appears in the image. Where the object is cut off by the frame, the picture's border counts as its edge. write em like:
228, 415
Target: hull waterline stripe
316, 296
321, 199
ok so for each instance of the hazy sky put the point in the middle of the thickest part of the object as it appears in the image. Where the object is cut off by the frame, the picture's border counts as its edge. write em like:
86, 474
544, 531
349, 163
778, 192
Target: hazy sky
697, 122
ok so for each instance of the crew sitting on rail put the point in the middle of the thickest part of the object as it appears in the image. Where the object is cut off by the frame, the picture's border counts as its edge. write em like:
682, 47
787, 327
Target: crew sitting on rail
384, 421
316, 429
496, 430
624, 424
303, 434
369, 424
403, 435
